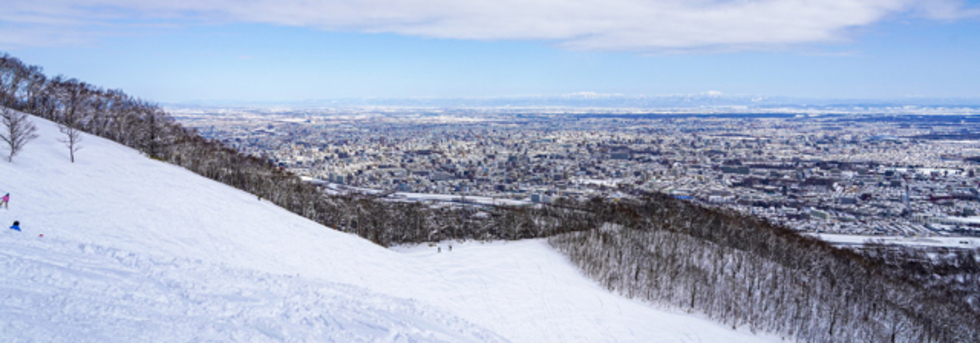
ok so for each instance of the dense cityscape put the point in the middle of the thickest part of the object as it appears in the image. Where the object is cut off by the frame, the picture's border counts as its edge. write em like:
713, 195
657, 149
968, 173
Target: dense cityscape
887, 174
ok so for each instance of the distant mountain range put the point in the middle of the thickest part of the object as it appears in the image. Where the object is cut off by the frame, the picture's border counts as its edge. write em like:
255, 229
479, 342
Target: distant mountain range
602, 100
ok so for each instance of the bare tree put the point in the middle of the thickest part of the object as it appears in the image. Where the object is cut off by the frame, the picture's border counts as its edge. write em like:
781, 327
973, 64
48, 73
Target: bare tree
73, 96
34, 83
20, 130
72, 137
11, 77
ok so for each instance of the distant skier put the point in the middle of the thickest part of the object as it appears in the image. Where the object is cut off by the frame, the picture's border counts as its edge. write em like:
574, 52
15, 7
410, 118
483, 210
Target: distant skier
5, 200
16, 226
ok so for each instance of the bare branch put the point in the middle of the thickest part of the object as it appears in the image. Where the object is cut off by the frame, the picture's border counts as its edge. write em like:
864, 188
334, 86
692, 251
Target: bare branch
20, 130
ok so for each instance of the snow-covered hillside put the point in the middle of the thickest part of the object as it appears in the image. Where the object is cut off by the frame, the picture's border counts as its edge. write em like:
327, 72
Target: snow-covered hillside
139, 250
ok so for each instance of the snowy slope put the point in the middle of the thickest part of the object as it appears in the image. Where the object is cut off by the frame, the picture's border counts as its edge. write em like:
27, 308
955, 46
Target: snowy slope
58, 290
139, 250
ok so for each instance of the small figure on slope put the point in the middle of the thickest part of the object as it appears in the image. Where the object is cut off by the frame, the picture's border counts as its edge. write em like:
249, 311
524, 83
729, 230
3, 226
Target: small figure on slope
5, 201
16, 226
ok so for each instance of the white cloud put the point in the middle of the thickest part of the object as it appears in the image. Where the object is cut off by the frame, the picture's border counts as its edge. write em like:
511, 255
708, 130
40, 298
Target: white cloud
945, 10
608, 25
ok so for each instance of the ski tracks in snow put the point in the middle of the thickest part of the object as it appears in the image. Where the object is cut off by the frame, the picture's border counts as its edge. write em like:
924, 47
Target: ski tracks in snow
54, 290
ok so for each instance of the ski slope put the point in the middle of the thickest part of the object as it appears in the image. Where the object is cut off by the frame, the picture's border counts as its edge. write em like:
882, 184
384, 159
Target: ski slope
139, 250
56, 290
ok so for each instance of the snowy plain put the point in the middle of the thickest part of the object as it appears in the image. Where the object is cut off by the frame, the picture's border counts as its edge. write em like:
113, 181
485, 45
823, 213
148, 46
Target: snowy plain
923, 241
139, 250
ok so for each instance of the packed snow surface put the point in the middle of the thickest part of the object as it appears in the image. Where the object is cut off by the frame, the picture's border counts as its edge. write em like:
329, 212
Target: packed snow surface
139, 250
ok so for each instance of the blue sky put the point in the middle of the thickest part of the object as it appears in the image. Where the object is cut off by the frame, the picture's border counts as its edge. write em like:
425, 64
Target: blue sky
289, 50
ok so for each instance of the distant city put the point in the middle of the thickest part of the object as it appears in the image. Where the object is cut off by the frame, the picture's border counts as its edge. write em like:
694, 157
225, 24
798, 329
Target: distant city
896, 171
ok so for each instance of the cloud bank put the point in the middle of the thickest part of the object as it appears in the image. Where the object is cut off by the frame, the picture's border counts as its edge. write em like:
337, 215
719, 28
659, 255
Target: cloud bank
590, 25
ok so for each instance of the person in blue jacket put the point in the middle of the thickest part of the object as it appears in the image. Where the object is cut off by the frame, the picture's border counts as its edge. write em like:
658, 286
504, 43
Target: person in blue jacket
16, 226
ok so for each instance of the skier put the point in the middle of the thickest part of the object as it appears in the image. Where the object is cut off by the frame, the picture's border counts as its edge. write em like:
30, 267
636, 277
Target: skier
5, 201
16, 226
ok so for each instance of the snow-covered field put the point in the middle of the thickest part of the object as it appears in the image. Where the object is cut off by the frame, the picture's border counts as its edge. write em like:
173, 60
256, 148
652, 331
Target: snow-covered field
935, 241
138, 250
334, 188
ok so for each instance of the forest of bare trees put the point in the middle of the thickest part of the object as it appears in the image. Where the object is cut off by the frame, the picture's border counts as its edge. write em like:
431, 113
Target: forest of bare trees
736, 269
952, 271
745, 272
